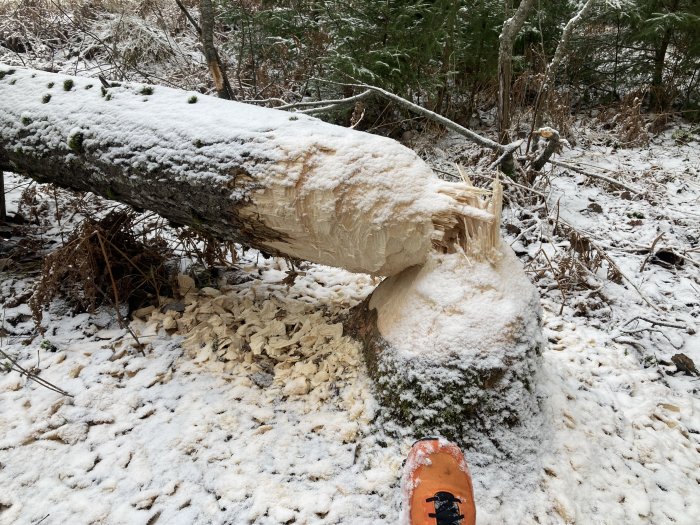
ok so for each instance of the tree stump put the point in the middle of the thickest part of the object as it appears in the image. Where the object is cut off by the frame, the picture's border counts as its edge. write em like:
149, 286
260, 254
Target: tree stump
454, 345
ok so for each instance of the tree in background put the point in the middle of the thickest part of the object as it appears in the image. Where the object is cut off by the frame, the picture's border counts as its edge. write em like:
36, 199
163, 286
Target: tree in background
444, 54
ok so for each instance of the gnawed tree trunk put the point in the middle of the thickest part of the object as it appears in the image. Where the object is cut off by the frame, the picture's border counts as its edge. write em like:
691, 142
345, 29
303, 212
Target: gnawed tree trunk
454, 345
452, 337
216, 68
287, 184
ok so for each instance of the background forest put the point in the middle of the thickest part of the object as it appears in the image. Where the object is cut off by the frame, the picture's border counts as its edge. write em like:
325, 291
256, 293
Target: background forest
444, 54
634, 55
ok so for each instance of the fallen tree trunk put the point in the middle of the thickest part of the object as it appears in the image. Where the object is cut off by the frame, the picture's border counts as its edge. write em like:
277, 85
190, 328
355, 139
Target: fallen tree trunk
290, 185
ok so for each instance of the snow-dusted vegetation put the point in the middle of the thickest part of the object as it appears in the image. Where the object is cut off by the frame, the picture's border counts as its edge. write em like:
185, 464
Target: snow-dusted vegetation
527, 277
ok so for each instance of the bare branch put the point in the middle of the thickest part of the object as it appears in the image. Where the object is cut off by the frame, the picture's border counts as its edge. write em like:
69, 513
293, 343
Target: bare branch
596, 176
449, 124
189, 17
328, 103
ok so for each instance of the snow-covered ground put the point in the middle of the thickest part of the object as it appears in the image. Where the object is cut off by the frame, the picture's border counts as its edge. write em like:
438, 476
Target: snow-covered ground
231, 424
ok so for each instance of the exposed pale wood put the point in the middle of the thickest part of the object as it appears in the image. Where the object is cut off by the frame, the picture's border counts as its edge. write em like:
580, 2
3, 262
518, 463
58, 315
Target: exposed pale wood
216, 67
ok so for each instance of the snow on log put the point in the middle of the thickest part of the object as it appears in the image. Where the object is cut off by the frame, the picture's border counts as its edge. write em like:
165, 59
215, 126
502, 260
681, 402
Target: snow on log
287, 184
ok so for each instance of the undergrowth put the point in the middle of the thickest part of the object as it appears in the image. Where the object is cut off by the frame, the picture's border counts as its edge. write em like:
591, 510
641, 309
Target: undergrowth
104, 261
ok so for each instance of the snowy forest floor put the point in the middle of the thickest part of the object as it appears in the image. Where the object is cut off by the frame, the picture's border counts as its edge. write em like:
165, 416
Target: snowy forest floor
270, 431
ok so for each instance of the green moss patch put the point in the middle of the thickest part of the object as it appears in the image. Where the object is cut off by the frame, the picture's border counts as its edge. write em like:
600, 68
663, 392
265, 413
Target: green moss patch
75, 142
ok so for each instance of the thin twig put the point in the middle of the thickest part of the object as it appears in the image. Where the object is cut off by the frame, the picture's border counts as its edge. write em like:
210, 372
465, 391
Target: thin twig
122, 323
651, 252
658, 322
313, 103
16, 367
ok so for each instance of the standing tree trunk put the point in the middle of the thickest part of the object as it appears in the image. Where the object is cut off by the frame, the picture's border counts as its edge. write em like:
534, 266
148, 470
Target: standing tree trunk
658, 98
658, 93
510, 31
223, 88
556, 63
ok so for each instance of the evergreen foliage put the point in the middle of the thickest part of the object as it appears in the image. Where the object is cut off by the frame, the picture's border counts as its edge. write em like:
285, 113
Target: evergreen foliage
443, 54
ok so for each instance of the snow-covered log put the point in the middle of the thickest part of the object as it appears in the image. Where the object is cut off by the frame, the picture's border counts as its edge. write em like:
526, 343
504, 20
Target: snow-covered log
287, 184
454, 345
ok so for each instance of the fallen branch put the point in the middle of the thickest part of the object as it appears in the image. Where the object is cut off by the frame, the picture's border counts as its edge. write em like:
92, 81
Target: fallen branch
596, 176
431, 115
507, 152
659, 322
329, 103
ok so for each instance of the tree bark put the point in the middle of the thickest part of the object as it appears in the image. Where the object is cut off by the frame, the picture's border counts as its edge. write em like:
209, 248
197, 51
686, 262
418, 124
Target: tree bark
3, 207
658, 99
287, 184
216, 68
510, 31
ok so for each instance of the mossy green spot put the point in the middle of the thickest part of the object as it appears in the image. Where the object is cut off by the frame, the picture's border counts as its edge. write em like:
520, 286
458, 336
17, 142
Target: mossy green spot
50, 85
45, 99
192, 99
68, 84
146, 90
75, 142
